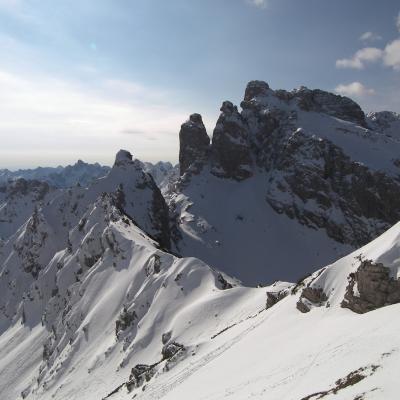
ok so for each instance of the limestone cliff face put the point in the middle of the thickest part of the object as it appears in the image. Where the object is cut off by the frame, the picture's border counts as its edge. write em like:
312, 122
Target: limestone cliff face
230, 145
371, 287
194, 143
321, 161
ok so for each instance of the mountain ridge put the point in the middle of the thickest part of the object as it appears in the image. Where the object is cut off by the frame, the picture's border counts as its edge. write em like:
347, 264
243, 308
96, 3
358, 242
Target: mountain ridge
123, 289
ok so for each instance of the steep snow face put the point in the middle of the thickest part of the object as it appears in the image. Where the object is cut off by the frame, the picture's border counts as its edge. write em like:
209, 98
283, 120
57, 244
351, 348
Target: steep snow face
18, 199
283, 353
303, 165
231, 226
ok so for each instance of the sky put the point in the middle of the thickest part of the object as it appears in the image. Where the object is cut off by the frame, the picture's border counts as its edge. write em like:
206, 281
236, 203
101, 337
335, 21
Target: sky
80, 79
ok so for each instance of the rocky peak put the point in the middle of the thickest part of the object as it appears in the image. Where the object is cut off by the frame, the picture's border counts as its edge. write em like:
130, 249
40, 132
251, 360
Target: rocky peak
230, 145
332, 104
123, 157
229, 109
255, 89
194, 143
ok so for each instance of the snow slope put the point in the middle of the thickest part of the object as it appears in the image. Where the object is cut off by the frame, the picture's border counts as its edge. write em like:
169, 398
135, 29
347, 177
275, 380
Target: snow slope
231, 226
80, 330
280, 353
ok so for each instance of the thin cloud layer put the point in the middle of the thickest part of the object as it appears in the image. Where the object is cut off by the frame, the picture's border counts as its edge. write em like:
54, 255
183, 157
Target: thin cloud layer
361, 58
398, 22
370, 37
355, 89
258, 3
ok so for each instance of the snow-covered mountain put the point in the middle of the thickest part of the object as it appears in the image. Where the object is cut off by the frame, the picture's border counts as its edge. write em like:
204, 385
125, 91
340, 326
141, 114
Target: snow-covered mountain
83, 174
290, 183
61, 177
386, 122
163, 173
18, 200
123, 289
107, 314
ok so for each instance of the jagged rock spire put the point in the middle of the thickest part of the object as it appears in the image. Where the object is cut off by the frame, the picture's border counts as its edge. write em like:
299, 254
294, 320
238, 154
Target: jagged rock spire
255, 89
123, 157
230, 146
194, 143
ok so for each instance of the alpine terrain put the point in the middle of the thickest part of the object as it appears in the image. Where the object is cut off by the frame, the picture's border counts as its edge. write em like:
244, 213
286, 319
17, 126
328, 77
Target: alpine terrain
265, 266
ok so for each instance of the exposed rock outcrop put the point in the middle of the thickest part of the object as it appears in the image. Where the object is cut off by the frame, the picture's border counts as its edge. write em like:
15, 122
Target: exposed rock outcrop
194, 144
275, 297
317, 172
314, 158
171, 349
230, 145
255, 89
311, 296
331, 104
123, 157
371, 287
140, 374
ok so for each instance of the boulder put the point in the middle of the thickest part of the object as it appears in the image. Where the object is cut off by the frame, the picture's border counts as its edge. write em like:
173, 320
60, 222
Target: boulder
371, 287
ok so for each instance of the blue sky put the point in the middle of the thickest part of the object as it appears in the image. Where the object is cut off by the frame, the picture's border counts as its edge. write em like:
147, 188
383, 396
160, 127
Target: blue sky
81, 79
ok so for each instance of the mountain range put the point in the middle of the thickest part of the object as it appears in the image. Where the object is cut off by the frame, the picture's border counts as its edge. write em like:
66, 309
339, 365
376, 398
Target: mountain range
266, 265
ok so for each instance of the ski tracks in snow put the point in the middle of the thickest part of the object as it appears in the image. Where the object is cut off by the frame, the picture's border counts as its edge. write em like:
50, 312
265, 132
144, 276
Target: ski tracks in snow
159, 390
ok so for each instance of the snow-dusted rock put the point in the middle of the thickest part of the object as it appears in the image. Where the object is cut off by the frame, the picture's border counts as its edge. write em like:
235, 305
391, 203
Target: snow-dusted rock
300, 170
371, 287
18, 200
386, 122
230, 145
194, 144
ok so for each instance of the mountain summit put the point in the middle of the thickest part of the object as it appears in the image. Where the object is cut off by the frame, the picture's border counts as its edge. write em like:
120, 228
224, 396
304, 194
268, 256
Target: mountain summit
304, 170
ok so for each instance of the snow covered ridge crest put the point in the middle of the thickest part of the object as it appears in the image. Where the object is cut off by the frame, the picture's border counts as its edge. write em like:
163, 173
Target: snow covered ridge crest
311, 156
94, 294
113, 316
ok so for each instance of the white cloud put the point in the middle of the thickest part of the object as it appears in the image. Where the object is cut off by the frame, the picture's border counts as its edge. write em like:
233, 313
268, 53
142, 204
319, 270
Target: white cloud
356, 89
61, 121
370, 37
258, 3
360, 58
391, 57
